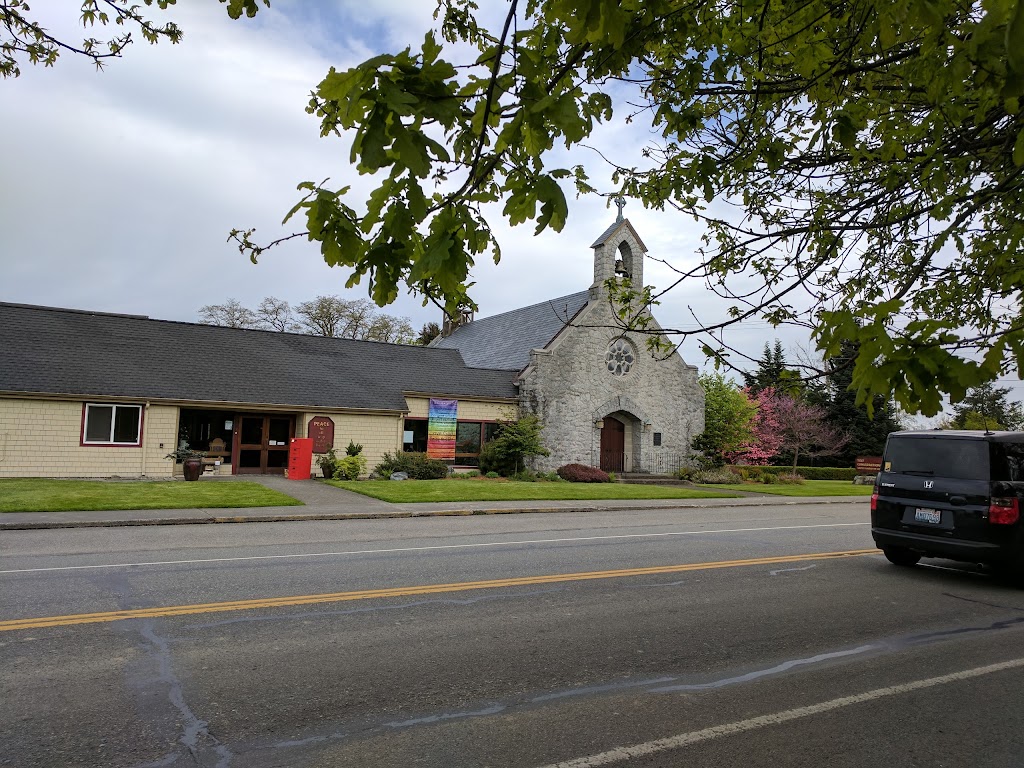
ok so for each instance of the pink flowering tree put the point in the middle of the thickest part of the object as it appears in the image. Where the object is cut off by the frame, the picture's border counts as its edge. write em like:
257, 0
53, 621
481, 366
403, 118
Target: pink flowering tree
804, 430
766, 433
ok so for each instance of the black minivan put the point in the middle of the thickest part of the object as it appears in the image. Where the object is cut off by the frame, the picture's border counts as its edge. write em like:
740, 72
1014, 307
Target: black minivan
951, 494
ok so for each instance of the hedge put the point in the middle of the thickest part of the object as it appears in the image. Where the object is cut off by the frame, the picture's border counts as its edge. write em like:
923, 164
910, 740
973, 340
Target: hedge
755, 472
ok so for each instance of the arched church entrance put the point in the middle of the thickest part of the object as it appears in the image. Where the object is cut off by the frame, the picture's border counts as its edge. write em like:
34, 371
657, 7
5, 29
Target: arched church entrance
613, 445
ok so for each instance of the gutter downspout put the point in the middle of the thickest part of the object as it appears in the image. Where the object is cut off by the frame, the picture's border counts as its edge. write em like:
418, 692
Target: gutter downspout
145, 437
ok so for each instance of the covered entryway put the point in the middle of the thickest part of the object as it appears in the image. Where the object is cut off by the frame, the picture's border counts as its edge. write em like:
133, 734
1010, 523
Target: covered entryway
613, 445
261, 443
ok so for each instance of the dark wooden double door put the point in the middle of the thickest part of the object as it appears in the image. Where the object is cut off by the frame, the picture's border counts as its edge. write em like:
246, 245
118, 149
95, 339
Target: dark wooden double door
613, 446
261, 443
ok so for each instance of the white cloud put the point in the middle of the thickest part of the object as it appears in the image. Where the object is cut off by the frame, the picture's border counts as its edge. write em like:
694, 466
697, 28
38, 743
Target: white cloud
121, 186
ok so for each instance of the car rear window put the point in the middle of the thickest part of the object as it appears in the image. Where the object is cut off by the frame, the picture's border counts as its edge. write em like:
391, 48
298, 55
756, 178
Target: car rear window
937, 457
1008, 461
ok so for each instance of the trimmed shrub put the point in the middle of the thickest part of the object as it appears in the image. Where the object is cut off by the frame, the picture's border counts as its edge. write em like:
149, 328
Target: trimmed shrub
581, 473
349, 467
754, 473
526, 476
769, 478
713, 476
471, 473
416, 465
492, 475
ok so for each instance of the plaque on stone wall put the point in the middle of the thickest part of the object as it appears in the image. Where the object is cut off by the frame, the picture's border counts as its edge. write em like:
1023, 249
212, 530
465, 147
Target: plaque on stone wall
321, 429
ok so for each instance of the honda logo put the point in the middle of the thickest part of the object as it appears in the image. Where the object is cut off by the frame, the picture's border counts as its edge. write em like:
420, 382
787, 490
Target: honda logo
928, 484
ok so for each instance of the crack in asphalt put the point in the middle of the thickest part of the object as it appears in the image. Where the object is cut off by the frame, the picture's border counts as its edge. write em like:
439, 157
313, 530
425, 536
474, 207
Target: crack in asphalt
657, 685
196, 735
983, 602
786, 570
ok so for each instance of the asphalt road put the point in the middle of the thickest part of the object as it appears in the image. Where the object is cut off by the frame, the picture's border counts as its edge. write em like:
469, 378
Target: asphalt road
718, 637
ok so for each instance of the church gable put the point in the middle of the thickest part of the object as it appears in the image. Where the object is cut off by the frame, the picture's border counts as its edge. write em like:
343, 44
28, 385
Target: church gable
504, 341
604, 399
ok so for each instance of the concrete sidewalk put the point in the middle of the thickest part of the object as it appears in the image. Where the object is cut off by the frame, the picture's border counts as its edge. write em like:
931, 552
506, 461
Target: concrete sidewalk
324, 502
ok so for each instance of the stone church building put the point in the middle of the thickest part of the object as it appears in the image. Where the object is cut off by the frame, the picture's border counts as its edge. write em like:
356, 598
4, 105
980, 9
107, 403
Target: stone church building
94, 394
603, 399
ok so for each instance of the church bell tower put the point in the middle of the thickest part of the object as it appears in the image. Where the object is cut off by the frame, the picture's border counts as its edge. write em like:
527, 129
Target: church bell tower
619, 253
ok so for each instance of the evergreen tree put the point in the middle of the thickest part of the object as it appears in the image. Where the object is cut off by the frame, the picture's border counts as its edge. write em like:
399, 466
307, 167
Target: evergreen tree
771, 372
987, 407
867, 433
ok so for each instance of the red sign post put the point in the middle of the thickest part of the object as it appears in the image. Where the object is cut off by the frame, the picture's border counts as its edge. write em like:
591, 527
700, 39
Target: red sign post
321, 430
300, 456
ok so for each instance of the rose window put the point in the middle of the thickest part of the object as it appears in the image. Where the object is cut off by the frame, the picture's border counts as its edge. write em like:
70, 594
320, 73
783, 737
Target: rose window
620, 357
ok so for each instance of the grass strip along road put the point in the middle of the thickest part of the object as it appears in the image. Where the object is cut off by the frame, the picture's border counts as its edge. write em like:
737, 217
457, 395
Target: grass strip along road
429, 589
38, 495
806, 488
485, 489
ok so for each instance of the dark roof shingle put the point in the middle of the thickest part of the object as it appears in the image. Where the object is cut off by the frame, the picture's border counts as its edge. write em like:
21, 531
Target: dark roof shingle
57, 351
505, 340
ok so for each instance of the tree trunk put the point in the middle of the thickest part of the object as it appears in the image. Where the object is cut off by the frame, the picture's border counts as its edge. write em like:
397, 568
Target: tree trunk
796, 454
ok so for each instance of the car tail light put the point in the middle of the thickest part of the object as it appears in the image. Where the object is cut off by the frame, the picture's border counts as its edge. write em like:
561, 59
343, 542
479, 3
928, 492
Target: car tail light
874, 501
1004, 511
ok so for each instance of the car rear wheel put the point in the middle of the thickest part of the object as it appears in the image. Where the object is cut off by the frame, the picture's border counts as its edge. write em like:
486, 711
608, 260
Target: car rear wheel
901, 556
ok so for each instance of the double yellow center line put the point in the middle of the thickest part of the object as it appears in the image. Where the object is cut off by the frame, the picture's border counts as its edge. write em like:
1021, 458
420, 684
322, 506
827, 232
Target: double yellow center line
427, 589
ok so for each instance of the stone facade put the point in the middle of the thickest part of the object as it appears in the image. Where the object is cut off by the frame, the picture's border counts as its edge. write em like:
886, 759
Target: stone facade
569, 385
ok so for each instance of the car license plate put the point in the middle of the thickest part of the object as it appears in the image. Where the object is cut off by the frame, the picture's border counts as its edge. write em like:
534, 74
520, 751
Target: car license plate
933, 516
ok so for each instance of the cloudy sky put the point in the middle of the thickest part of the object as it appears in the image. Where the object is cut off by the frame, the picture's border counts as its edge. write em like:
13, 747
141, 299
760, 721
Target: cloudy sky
121, 185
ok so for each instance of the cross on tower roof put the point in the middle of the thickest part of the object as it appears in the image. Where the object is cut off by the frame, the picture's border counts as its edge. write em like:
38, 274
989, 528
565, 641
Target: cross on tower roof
620, 203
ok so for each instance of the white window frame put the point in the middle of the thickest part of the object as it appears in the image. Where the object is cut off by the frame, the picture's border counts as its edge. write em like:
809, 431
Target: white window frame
113, 421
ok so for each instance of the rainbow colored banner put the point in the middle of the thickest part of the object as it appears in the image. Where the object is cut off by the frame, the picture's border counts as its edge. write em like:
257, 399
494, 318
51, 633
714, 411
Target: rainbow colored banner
441, 424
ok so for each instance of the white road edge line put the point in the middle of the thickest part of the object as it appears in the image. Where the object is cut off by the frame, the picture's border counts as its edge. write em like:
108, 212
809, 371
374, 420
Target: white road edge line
423, 549
718, 731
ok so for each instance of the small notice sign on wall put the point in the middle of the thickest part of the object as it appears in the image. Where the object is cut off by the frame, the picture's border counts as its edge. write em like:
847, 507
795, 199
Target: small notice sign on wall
321, 430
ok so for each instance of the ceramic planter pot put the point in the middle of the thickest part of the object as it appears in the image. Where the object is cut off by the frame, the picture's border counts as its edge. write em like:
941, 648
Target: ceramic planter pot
192, 468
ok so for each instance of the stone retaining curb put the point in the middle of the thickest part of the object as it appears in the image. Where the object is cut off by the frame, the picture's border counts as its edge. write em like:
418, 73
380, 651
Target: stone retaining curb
217, 519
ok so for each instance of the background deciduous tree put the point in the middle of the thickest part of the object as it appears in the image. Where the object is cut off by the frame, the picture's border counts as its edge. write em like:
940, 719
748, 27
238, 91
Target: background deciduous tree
275, 314
321, 316
805, 430
230, 314
728, 419
766, 430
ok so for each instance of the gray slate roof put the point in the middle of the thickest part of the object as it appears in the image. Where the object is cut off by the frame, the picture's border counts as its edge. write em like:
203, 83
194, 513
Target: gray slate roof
60, 351
505, 340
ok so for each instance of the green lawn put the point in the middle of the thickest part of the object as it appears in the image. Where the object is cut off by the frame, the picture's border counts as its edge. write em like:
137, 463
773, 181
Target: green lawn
408, 491
809, 488
36, 495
